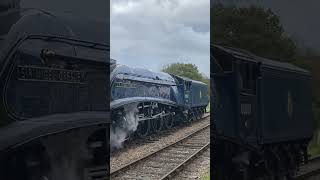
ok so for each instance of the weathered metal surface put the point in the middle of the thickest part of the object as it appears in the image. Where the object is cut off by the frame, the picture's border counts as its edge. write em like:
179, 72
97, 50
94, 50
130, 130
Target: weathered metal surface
280, 98
71, 78
286, 106
21, 132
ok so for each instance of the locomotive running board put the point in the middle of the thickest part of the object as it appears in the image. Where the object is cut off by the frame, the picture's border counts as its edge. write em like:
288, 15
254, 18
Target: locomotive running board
23, 132
125, 101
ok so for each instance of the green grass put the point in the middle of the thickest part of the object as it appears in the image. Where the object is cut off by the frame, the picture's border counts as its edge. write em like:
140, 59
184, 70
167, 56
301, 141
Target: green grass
208, 108
314, 147
206, 176
314, 150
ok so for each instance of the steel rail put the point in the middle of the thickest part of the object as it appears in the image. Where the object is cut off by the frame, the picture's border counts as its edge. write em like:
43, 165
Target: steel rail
152, 154
310, 173
173, 172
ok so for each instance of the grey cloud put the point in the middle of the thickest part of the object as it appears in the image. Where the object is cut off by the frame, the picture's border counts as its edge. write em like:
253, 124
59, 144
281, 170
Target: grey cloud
153, 33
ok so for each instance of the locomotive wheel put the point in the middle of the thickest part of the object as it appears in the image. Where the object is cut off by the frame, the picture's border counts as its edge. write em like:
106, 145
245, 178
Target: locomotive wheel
196, 114
193, 116
199, 114
144, 128
271, 170
129, 136
189, 118
157, 124
168, 122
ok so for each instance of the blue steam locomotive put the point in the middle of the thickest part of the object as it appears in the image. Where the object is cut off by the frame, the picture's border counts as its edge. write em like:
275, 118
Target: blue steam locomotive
159, 100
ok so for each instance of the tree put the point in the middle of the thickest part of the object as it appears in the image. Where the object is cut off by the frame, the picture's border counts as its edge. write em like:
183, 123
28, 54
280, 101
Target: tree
251, 28
186, 70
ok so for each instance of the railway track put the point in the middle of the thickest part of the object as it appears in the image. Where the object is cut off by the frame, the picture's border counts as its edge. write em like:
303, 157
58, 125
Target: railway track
167, 161
155, 136
195, 169
135, 141
310, 170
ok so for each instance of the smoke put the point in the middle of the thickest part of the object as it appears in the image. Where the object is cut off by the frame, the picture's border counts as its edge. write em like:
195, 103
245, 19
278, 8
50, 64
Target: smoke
117, 137
124, 126
68, 155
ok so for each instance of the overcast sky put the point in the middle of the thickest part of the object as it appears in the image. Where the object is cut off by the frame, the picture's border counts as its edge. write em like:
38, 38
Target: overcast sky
154, 33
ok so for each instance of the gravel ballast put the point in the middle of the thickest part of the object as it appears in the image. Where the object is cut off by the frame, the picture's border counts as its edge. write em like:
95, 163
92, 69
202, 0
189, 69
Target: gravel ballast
141, 147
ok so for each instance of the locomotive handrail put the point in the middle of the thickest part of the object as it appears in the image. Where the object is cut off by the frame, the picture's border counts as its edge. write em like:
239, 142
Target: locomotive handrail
119, 102
19, 41
62, 56
59, 38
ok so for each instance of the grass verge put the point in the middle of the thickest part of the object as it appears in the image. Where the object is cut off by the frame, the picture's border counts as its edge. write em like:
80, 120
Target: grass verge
208, 108
206, 176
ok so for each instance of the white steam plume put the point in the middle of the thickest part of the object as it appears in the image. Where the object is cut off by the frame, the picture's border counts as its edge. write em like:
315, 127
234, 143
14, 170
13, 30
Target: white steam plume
128, 125
68, 154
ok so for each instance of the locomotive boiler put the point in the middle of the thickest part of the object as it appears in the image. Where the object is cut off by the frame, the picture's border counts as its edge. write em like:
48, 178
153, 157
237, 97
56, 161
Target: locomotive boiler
262, 116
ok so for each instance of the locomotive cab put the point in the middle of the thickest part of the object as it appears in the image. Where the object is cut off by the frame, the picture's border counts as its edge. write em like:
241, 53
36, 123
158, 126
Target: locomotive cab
236, 82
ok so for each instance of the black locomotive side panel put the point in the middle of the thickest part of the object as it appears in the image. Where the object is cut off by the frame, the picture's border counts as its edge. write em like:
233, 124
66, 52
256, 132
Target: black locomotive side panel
248, 117
286, 112
263, 108
35, 90
271, 102
53, 75
224, 114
